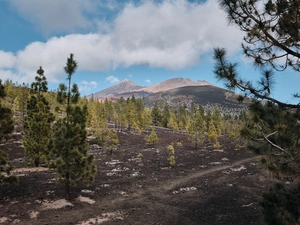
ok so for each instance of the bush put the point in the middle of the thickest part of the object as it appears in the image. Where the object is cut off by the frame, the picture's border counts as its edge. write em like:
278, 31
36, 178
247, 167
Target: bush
217, 145
281, 205
171, 161
151, 139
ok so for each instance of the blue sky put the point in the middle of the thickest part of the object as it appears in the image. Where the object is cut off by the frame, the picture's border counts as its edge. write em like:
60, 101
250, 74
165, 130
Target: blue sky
112, 40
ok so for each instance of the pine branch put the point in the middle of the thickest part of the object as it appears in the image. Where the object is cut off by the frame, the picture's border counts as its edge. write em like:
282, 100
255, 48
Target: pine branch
266, 138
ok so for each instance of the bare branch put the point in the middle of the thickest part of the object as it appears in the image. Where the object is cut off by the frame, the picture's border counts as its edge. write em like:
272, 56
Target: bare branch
266, 137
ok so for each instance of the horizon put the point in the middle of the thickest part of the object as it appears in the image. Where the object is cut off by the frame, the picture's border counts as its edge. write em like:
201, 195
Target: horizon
146, 42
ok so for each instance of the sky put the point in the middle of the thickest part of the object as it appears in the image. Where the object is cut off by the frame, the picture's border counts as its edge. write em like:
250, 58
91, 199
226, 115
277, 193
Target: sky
145, 41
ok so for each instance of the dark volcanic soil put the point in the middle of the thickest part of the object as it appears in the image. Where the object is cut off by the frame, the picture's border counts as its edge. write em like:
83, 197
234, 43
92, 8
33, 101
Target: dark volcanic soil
206, 187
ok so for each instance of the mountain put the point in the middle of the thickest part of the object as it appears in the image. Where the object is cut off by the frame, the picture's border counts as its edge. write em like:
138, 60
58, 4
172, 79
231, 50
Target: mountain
127, 88
176, 92
122, 87
173, 83
206, 95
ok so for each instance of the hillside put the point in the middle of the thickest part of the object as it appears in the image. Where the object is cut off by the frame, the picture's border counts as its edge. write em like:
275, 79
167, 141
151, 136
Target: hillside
173, 83
204, 187
122, 87
127, 88
207, 95
176, 92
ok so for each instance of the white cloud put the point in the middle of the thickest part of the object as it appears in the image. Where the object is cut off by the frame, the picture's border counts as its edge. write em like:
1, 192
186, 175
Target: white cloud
112, 79
148, 81
172, 34
87, 87
54, 15
7, 60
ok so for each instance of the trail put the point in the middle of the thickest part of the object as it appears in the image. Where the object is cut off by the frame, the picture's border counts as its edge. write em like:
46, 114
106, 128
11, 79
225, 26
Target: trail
158, 188
197, 175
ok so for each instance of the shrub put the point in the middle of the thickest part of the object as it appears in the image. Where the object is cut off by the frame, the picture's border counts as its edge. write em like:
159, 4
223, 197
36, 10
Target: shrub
171, 161
217, 145
151, 139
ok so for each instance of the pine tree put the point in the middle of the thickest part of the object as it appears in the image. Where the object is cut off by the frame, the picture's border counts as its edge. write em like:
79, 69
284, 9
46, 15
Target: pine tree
271, 40
151, 139
196, 128
37, 127
172, 123
156, 115
68, 146
181, 118
120, 117
21, 103
217, 118
110, 141
171, 159
165, 115
212, 132
130, 113
6, 129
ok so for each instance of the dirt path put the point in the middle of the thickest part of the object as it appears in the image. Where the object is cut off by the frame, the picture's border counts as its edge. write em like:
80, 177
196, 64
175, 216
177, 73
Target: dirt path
197, 175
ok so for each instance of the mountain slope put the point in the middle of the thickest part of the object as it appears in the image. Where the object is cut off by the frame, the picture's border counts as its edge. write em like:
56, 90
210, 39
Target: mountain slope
205, 95
122, 87
173, 83
127, 88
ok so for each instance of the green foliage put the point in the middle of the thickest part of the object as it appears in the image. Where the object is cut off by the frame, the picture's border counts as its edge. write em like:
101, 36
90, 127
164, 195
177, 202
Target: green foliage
171, 159
68, 146
171, 149
151, 139
217, 118
20, 104
110, 140
172, 123
271, 40
212, 132
156, 115
165, 116
69, 150
37, 125
140, 155
217, 145
6, 129
281, 205
179, 143
196, 127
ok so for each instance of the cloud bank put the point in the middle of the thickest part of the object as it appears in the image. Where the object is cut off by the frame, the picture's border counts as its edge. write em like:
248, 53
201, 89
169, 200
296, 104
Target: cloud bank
173, 34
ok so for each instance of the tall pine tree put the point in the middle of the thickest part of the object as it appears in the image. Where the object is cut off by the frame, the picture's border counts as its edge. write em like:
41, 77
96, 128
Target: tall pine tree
68, 146
37, 128
272, 41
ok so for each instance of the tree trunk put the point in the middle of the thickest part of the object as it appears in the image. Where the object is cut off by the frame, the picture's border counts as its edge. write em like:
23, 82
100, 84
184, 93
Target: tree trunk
67, 187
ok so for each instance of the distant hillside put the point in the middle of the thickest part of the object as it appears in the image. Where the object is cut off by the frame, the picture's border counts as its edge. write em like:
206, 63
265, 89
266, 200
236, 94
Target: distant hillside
173, 83
205, 95
127, 88
122, 87
176, 92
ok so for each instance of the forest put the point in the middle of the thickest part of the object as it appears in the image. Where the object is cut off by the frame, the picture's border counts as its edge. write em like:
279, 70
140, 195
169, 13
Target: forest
161, 164
64, 132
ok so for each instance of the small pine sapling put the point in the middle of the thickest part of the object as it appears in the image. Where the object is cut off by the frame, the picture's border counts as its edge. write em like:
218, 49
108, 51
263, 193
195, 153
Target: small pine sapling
179, 143
151, 139
217, 145
171, 159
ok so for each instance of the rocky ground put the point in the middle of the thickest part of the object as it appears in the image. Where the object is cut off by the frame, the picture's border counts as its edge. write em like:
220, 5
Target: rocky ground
206, 186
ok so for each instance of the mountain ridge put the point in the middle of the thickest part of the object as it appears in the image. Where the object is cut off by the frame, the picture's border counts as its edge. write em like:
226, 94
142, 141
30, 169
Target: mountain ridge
127, 88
